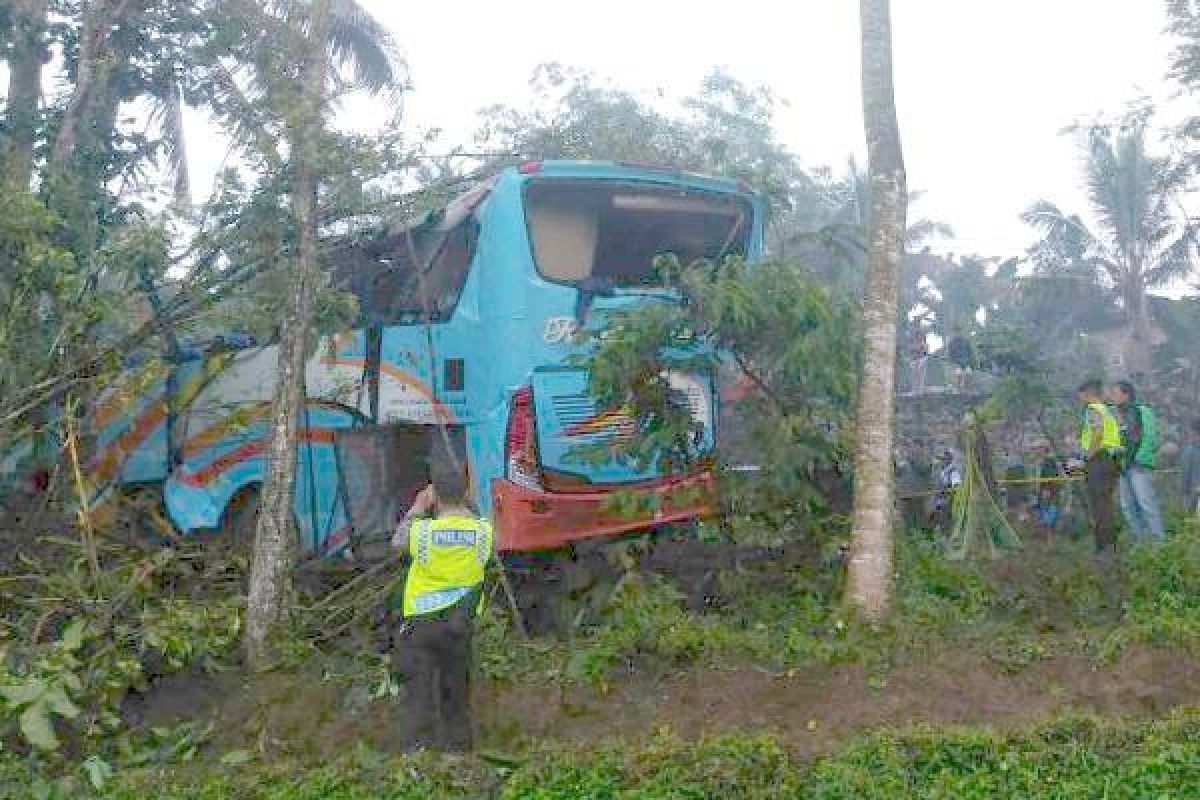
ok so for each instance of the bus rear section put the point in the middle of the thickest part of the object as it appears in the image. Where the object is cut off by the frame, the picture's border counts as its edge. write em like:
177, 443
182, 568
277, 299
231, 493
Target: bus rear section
599, 241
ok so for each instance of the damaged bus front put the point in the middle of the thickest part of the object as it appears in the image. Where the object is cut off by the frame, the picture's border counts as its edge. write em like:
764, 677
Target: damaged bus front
594, 237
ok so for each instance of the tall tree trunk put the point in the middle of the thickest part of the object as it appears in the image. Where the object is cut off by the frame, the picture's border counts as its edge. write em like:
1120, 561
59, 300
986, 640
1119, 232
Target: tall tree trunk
92, 35
173, 123
1138, 356
870, 581
24, 90
274, 546
99, 17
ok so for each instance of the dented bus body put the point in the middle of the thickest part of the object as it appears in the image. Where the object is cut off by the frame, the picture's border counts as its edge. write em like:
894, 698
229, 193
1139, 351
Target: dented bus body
468, 322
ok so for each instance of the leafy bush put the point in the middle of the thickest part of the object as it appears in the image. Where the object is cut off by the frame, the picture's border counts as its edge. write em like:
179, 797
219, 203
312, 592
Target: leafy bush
117, 630
937, 594
43, 689
772, 327
1163, 605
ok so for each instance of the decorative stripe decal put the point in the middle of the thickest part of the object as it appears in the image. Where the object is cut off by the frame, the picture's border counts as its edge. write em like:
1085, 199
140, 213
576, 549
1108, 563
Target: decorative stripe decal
118, 402
444, 412
240, 418
108, 463
336, 539
113, 457
619, 422
223, 463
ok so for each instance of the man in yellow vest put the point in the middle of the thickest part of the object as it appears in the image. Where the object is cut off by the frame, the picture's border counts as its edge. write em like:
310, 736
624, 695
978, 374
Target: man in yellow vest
445, 547
1100, 441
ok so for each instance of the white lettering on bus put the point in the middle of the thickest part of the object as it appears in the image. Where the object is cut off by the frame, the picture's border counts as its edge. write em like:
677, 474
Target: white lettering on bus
560, 330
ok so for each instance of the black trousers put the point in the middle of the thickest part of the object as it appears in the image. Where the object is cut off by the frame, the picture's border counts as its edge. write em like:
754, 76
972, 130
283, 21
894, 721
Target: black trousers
431, 655
1100, 480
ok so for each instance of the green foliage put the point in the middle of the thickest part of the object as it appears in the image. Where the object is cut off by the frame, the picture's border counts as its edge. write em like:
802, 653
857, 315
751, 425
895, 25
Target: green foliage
1071, 758
1184, 22
119, 629
1141, 241
1163, 605
1015, 611
52, 303
771, 326
727, 130
43, 689
1075, 757
936, 594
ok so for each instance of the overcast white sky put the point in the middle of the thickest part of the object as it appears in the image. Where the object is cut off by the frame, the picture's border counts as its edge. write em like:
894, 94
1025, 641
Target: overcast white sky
983, 88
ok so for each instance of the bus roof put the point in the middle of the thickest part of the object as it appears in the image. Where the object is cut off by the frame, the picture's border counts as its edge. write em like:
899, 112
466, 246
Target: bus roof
458, 205
633, 170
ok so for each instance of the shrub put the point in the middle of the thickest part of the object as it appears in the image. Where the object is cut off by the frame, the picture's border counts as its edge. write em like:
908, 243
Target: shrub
1163, 605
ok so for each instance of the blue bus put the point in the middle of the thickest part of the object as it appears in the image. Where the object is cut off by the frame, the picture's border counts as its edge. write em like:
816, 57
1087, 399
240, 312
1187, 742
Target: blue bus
469, 322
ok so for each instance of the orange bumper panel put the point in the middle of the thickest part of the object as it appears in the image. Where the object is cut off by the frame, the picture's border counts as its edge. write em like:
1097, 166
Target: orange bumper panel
527, 519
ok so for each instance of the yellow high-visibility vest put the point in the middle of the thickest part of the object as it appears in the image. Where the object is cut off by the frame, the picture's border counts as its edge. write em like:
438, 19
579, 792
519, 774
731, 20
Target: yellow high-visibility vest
448, 559
1110, 439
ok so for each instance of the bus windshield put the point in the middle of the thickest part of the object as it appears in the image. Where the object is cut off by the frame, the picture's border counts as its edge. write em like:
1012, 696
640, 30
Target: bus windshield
598, 232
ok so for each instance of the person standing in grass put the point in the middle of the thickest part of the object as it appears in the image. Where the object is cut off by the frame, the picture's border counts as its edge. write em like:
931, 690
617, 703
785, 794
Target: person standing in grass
1100, 443
1139, 434
445, 547
1189, 465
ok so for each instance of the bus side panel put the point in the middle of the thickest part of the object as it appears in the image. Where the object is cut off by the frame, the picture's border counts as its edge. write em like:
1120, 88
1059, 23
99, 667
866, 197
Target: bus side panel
130, 425
502, 356
232, 459
224, 439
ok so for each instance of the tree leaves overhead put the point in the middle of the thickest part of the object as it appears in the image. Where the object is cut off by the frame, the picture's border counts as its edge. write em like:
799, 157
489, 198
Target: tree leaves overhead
357, 41
1184, 17
726, 129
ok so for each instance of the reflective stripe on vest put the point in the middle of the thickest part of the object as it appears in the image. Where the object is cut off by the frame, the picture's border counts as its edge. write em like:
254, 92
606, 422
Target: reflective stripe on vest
1110, 439
448, 559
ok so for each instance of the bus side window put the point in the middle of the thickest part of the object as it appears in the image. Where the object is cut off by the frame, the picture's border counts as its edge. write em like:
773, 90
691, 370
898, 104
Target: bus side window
391, 298
391, 286
442, 285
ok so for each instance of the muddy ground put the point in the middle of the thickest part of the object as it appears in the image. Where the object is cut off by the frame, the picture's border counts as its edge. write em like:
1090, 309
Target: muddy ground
302, 715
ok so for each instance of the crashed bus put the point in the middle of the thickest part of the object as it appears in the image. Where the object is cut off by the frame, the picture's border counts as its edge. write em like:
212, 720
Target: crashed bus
468, 322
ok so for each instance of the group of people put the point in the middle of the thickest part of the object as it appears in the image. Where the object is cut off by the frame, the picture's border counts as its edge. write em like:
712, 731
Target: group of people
1117, 458
1118, 440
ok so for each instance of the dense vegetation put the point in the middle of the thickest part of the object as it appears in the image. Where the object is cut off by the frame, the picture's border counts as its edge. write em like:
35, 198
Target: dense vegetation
1049, 606
107, 614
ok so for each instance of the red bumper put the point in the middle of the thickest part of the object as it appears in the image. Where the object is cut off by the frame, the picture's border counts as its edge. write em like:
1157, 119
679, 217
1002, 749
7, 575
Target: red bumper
527, 519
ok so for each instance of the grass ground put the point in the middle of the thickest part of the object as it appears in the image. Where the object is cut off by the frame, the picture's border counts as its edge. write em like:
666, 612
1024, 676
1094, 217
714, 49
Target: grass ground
771, 693
1073, 758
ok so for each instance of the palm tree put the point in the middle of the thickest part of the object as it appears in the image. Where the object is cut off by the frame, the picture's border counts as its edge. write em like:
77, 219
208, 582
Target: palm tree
831, 236
330, 32
869, 573
169, 110
1142, 241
